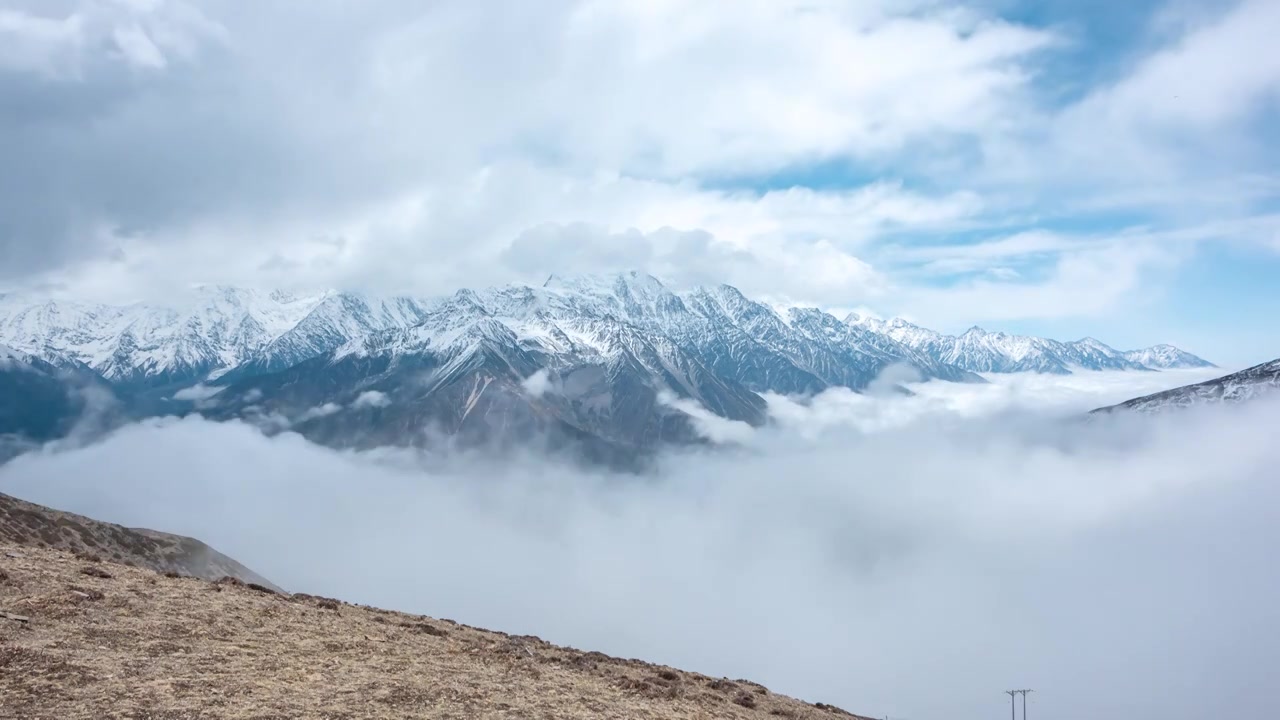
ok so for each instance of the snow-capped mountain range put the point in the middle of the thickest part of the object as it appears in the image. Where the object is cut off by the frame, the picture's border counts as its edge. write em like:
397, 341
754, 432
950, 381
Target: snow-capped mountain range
981, 351
217, 329
606, 358
210, 330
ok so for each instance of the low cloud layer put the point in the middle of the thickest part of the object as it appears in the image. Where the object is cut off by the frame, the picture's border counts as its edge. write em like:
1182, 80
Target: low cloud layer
902, 556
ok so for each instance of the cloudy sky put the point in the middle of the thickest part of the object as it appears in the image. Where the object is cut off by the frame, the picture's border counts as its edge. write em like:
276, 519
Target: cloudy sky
1064, 167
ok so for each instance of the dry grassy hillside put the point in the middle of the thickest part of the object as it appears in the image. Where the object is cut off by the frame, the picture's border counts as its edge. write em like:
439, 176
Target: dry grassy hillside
24, 523
85, 639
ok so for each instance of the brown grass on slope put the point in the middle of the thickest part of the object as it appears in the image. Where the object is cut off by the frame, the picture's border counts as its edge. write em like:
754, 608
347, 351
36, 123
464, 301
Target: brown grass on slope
100, 640
25, 523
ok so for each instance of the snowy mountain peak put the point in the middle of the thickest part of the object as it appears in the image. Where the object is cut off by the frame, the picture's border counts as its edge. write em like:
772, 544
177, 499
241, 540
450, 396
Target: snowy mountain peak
866, 321
872, 322
1166, 357
467, 300
631, 282
724, 299
631, 296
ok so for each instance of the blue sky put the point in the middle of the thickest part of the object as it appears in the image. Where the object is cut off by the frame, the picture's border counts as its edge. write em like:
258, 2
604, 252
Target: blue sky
1058, 167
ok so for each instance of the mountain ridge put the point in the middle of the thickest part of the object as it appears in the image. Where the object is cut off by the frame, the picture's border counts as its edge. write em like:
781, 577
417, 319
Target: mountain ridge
217, 329
981, 350
618, 356
1259, 381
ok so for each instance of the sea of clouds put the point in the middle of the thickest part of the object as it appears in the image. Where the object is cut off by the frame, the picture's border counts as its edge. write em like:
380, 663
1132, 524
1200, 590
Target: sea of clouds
902, 556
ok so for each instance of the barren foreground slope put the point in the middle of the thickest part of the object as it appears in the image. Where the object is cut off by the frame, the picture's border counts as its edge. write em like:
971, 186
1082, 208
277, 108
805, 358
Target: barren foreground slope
25, 523
85, 639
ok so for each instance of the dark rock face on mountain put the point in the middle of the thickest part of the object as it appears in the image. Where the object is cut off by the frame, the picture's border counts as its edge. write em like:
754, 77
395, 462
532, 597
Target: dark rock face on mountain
1256, 382
37, 402
40, 401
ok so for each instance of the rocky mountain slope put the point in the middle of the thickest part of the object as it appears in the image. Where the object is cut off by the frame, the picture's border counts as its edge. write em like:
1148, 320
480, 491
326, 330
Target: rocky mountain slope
1255, 382
82, 639
40, 401
35, 526
37, 404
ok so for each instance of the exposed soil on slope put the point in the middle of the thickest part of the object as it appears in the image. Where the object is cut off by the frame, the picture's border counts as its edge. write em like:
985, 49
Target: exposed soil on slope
85, 639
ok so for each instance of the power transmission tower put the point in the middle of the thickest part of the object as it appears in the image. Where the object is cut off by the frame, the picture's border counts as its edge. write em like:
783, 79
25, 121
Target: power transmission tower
1013, 708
